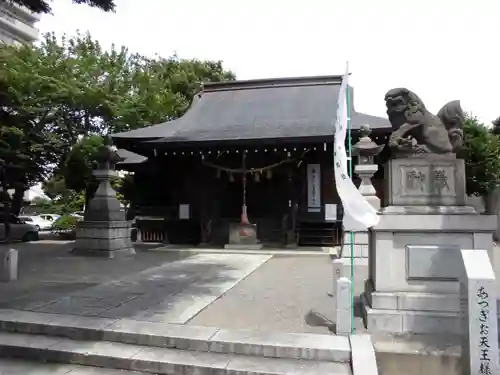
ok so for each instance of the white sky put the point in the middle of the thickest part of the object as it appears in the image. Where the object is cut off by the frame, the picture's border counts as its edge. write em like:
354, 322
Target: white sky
441, 49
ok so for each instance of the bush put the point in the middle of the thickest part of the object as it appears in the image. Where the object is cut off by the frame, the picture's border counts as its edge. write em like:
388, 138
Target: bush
482, 158
65, 223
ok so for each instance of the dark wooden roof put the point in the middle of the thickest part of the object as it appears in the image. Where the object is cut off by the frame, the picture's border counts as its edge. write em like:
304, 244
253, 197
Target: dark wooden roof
129, 157
303, 107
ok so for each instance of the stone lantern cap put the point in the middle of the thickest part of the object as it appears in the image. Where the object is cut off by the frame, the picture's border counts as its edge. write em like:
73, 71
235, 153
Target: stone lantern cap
365, 146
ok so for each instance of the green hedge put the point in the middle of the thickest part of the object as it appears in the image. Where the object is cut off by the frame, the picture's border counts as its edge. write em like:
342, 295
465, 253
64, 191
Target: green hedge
65, 223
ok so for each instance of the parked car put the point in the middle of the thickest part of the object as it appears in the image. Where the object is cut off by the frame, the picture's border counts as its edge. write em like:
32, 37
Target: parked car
19, 229
50, 217
78, 214
38, 222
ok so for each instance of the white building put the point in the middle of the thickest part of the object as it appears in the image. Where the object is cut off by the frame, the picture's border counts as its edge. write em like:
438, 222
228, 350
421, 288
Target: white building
17, 24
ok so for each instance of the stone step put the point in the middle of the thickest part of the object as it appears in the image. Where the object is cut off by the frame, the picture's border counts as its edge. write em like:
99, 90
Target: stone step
207, 339
416, 322
418, 354
24, 367
153, 359
415, 301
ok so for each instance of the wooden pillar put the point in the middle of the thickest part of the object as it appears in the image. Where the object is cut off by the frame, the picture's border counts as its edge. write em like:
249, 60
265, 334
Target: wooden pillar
204, 210
290, 233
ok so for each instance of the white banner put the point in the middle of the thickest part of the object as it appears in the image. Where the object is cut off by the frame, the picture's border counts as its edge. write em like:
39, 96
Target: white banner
359, 215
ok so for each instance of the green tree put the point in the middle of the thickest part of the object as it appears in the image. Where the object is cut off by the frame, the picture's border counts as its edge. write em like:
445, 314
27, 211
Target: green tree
64, 200
125, 189
77, 170
162, 89
496, 126
482, 158
65, 88
42, 6
73, 87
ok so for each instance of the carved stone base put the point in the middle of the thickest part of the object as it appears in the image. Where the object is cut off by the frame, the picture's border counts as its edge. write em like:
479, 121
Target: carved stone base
243, 247
429, 210
243, 235
411, 313
103, 239
291, 238
433, 180
415, 267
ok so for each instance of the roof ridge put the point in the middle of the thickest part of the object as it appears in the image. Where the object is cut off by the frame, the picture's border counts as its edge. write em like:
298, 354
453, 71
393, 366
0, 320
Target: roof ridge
272, 82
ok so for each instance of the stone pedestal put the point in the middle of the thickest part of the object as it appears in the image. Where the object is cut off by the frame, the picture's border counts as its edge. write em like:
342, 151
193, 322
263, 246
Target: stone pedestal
426, 185
104, 230
415, 250
479, 315
243, 236
105, 239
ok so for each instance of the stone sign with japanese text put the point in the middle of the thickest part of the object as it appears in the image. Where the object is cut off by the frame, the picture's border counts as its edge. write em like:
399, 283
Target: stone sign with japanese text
479, 315
425, 181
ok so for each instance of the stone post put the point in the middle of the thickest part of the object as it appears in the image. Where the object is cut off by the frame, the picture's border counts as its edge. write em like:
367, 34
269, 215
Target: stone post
365, 150
343, 308
9, 270
104, 230
478, 305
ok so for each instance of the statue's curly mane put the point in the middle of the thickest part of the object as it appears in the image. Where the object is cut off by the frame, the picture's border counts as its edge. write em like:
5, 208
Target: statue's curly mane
408, 99
410, 119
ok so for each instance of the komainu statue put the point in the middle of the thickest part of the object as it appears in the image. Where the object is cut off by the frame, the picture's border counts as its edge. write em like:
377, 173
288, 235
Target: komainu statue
417, 131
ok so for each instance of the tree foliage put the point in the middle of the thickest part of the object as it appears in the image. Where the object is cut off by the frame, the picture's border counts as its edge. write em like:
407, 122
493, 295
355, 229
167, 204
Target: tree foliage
42, 6
78, 167
64, 89
55, 93
496, 126
482, 158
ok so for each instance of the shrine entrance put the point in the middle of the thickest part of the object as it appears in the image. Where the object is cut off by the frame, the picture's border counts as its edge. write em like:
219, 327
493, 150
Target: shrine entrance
267, 195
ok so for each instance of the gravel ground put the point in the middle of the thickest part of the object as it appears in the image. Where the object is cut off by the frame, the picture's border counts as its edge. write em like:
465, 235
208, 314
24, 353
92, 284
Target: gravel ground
277, 297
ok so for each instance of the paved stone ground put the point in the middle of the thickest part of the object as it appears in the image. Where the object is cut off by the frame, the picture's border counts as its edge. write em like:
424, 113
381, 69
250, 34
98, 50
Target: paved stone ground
24, 367
174, 286
152, 286
277, 297
48, 271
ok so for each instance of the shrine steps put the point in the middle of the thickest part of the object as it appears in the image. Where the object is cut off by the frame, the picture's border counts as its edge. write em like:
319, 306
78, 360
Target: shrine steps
26, 367
161, 348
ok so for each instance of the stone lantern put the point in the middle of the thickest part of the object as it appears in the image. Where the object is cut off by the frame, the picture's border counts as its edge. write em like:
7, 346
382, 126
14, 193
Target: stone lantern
104, 230
365, 150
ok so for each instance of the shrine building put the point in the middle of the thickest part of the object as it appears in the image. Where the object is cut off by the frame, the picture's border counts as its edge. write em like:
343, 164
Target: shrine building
265, 144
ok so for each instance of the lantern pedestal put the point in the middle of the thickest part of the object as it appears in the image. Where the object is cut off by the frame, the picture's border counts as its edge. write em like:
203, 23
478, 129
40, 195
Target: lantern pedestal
243, 237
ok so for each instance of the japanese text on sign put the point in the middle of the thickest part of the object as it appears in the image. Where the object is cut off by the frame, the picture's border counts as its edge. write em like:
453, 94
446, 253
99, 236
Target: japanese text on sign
484, 346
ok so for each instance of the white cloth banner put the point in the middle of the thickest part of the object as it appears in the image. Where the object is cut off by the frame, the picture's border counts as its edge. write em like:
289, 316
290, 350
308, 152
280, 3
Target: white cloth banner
359, 215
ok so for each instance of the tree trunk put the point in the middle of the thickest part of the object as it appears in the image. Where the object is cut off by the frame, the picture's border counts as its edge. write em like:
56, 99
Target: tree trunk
6, 220
17, 200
